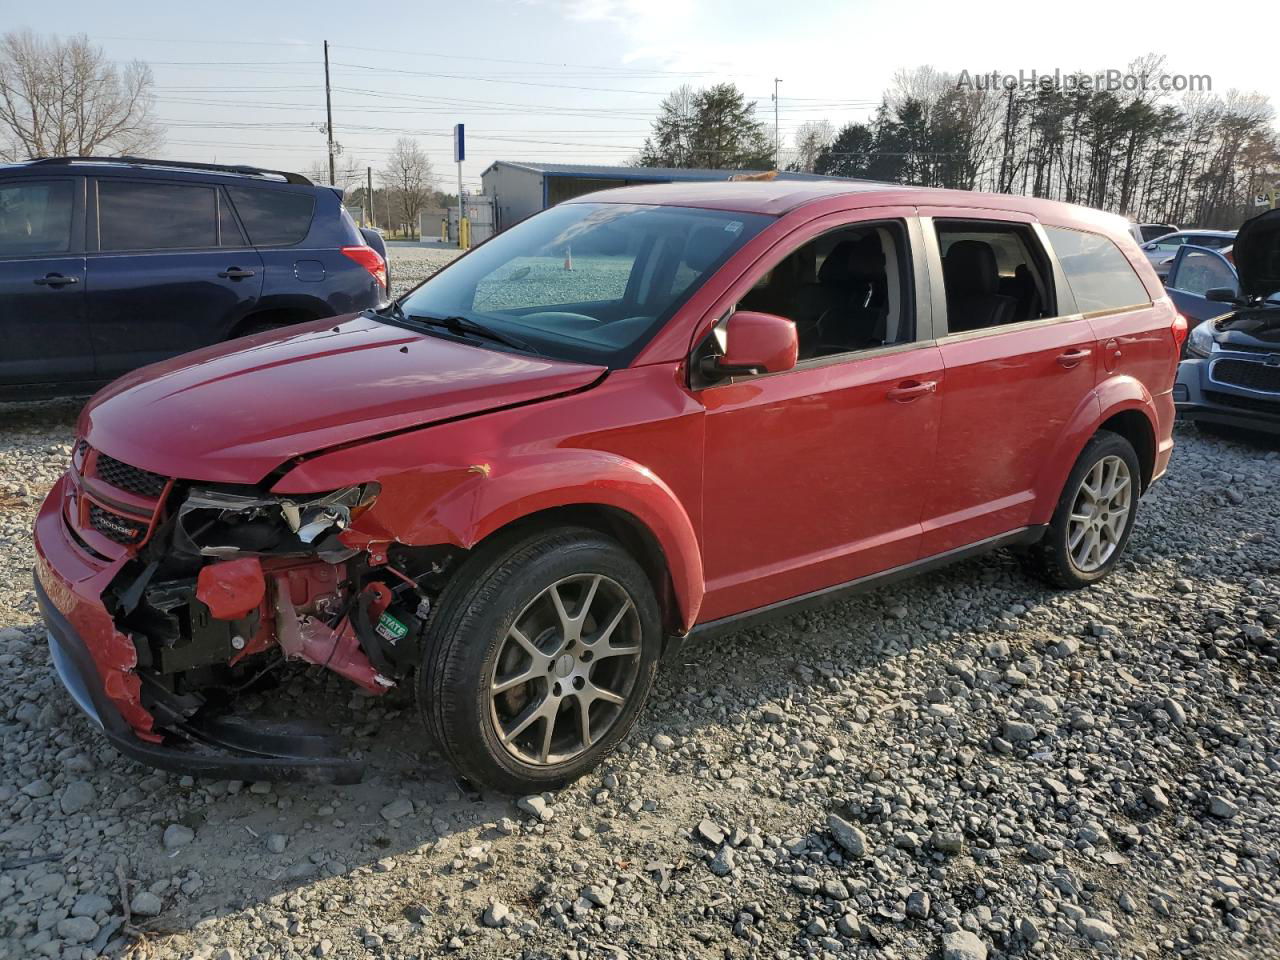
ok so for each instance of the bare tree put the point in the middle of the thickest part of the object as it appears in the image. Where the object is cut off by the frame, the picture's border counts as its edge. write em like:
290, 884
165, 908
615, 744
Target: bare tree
409, 177
65, 98
812, 138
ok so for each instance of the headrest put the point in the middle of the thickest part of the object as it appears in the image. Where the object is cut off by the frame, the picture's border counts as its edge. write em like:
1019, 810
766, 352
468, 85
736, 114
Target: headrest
970, 268
853, 260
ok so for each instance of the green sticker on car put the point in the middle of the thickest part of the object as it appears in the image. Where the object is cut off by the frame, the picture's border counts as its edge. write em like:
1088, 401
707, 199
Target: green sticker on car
389, 628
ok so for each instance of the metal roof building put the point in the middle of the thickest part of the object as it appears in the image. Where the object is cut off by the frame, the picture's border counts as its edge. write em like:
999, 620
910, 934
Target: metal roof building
520, 189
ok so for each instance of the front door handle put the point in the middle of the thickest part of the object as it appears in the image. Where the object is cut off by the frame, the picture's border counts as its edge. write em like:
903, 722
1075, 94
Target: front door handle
1073, 358
55, 280
908, 390
234, 273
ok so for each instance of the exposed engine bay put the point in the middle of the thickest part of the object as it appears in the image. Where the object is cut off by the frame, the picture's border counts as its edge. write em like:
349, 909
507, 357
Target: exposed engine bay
233, 585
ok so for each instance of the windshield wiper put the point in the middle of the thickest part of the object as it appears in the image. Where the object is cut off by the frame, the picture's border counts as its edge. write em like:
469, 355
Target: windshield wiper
465, 325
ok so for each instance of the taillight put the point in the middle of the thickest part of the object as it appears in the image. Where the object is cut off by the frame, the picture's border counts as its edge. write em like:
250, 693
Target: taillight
371, 260
1179, 332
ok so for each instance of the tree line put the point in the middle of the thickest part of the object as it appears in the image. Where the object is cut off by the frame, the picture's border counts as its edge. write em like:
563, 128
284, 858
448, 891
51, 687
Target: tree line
1200, 160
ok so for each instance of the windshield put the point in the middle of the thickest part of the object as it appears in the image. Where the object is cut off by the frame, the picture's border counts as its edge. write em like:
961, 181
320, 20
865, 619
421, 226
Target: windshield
590, 282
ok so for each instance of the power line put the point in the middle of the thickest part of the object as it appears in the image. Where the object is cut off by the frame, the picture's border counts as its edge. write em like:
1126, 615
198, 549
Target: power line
426, 53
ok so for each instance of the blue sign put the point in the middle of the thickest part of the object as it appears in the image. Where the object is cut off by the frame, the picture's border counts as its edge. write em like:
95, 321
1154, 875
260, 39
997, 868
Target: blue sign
459, 143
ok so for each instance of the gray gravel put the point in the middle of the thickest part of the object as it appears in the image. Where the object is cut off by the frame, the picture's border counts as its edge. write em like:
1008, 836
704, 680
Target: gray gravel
411, 265
963, 766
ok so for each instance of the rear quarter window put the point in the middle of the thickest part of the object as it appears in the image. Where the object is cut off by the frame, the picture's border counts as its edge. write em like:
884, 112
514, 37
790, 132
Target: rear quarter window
1100, 276
273, 218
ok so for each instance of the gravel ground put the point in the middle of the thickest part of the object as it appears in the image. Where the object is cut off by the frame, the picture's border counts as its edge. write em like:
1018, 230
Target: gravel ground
411, 265
963, 766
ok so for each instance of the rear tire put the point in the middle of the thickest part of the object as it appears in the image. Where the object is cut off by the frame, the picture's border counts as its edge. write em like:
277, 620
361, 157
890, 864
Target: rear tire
538, 659
1094, 517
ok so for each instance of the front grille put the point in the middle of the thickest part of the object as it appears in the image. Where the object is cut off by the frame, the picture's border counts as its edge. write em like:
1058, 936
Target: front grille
1244, 373
131, 479
115, 527
1257, 405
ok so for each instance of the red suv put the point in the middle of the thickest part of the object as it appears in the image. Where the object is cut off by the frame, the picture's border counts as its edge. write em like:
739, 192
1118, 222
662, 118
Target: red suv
638, 416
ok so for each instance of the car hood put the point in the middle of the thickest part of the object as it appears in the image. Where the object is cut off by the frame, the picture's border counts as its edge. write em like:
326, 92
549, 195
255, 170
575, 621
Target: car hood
232, 413
1257, 254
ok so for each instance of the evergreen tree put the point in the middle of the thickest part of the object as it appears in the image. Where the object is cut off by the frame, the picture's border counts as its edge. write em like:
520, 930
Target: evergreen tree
714, 128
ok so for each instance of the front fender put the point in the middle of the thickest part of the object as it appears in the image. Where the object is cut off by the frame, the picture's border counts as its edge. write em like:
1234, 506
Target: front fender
464, 503
1112, 396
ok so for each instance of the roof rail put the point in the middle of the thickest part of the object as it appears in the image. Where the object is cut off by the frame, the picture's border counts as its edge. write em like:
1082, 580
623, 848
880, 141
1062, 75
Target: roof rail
241, 169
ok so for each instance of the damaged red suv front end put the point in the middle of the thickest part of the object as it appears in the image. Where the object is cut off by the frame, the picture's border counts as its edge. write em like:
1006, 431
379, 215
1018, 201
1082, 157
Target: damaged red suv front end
148, 641
166, 596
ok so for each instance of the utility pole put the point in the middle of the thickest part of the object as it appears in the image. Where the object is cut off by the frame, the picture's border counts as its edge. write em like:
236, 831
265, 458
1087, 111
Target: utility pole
777, 142
328, 109
368, 172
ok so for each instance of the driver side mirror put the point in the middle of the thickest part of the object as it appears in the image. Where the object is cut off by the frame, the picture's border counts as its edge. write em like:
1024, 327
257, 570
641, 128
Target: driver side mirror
754, 343
1222, 295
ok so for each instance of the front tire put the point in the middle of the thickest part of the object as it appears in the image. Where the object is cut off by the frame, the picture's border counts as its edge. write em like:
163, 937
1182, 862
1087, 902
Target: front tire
1094, 516
539, 658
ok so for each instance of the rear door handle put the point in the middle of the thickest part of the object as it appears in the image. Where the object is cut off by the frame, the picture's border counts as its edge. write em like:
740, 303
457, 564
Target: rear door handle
908, 390
1073, 357
234, 273
55, 280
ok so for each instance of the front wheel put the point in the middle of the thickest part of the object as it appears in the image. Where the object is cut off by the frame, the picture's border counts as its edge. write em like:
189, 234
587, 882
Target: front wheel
539, 658
1094, 516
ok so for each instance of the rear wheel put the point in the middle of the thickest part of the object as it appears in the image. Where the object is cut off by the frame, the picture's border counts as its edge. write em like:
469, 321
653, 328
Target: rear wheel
1094, 516
539, 659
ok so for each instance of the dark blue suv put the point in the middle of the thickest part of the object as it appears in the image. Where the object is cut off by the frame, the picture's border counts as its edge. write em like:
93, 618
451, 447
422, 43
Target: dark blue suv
107, 264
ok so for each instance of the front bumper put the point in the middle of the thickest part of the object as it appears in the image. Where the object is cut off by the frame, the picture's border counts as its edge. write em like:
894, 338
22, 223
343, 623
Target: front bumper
95, 662
1198, 399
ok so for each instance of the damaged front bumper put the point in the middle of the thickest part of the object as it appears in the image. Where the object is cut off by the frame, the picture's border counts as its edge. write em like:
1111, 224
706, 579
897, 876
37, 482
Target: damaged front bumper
223, 750
97, 661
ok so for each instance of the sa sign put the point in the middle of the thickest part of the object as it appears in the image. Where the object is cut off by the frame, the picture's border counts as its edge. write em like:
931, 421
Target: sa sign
459, 143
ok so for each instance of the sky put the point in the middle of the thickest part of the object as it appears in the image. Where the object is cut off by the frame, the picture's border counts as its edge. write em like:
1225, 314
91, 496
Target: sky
579, 80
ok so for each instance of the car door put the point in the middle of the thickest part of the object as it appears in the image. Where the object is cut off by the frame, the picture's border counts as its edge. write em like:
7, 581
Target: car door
814, 476
43, 334
1194, 273
168, 270
1015, 374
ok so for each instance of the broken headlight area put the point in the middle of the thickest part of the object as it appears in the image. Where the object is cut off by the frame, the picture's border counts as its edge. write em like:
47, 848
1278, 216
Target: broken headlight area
221, 523
236, 585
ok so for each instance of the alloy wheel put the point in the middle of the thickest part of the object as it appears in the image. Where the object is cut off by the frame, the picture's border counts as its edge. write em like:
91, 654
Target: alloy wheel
1100, 514
565, 669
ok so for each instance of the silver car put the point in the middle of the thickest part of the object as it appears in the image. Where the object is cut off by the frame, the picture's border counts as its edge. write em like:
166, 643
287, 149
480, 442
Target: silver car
1162, 250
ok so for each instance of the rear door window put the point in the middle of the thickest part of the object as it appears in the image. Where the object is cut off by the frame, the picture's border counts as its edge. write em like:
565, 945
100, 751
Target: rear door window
1100, 276
994, 274
35, 217
274, 218
138, 215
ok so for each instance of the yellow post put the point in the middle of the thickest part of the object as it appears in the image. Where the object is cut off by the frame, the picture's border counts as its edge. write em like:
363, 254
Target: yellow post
444, 229
464, 234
